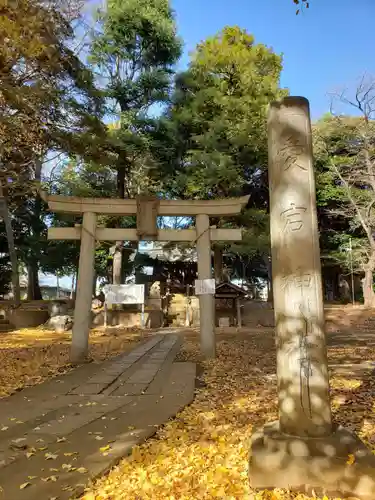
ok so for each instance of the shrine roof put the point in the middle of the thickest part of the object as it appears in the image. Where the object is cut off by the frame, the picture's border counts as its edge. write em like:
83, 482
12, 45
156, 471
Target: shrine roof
227, 288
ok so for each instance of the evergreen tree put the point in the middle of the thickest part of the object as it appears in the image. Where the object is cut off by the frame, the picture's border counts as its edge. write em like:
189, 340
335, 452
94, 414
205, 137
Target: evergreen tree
134, 50
345, 148
214, 132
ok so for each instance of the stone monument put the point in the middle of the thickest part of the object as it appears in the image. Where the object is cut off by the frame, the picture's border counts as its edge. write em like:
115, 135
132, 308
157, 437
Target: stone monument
303, 449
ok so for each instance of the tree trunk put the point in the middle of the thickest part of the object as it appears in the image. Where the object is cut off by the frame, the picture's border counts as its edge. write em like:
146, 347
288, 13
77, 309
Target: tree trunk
76, 285
73, 287
218, 264
117, 264
33, 287
117, 256
94, 283
121, 179
268, 263
12, 250
368, 287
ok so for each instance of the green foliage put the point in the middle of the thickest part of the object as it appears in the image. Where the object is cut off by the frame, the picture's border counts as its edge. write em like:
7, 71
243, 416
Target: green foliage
48, 98
255, 234
210, 142
48, 103
349, 252
5, 275
212, 139
5, 267
344, 149
86, 179
219, 111
134, 50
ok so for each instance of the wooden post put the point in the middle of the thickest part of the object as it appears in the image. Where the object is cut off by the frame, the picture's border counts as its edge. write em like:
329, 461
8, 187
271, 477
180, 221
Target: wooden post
239, 319
82, 310
206, 302
105, 314
187, 315
218, 264
143, 315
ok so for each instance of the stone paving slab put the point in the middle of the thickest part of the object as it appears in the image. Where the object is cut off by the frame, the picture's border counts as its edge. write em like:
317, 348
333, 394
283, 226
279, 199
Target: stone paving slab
63, 443
130, 389
157, 384
168, 348
182, 379
100, 381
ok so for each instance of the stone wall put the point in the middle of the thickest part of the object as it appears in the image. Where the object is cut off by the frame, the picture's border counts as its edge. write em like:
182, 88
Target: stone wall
254, 313
129, 318
257, 313
30, 313
27, 318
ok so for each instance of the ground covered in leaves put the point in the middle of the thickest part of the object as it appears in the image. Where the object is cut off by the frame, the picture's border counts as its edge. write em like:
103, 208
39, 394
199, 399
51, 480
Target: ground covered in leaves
30, 356
203, 452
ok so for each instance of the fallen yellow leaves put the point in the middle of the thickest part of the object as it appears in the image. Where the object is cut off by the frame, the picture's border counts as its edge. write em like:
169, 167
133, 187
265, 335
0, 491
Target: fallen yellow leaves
32, 355
351, 459
49, 478
104, 448
203, 452
68, 467
70, 453
344, 383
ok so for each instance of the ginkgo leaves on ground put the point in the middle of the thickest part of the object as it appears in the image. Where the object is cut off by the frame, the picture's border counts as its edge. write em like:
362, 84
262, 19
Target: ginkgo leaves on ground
30, 356
204, 451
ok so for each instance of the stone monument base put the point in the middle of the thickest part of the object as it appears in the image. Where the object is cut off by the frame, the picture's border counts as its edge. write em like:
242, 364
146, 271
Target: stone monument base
304, 464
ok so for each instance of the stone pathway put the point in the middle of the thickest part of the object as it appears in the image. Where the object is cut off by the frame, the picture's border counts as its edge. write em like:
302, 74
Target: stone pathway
57, 436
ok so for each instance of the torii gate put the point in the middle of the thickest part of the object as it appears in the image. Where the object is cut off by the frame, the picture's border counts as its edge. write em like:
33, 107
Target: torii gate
147, 209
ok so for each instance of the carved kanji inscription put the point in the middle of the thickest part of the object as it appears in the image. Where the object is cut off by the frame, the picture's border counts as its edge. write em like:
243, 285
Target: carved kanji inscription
290, 152
303, 280
293, 217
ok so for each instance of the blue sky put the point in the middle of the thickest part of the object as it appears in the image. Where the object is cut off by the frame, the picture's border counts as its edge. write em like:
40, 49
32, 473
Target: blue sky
329, 46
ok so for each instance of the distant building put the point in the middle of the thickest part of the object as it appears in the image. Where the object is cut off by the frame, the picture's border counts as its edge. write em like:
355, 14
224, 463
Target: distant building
48, 291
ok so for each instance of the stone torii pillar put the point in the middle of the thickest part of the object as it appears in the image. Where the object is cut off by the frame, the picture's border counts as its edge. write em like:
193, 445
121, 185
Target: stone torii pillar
303, 449
206, 301
82, 309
